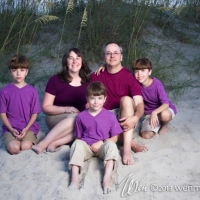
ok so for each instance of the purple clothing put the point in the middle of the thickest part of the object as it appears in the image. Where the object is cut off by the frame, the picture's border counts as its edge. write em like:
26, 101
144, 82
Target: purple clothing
67, 95
92, 129
120, 84
19, 104
154, 96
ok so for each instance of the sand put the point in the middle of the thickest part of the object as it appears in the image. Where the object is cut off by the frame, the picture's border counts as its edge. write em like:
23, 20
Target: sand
169, 170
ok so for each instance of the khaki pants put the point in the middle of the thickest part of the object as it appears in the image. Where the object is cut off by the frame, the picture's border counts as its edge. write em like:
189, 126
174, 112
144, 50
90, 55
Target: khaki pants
80, 151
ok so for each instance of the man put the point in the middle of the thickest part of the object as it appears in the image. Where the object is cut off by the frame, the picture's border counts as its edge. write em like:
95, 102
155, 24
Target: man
123, 97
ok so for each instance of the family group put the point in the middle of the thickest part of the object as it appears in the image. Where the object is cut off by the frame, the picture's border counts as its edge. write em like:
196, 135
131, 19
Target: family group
93, 110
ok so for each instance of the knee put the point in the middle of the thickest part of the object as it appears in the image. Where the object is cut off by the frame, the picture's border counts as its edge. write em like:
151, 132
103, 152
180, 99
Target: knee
78, 145
165, 116
110, 146
126, 99
13, 148
147, 134
26, 145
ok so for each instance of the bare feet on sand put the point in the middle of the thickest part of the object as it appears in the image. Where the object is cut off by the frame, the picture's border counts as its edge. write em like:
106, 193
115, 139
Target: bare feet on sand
73, 187
127, 158
138, 147
51, 147
106, 185
38, 149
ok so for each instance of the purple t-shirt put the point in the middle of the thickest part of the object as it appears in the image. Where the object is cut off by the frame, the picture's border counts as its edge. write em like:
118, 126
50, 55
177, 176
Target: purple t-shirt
92, 129
19, 104
120, 84
67, 95
154, 96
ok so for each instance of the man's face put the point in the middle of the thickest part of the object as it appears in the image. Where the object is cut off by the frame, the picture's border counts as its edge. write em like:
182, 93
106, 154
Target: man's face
113, 56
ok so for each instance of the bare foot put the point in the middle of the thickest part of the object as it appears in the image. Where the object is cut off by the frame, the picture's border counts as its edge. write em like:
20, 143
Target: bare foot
106, 185
107, 190
127, 158
38, 149
51, 147
138, 147
73, 187
163, 128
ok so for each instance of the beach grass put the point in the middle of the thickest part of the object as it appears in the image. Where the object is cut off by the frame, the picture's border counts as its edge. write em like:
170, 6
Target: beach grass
49, 29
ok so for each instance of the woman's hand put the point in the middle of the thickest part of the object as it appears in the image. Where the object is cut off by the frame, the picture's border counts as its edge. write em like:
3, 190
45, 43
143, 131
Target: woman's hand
70, 110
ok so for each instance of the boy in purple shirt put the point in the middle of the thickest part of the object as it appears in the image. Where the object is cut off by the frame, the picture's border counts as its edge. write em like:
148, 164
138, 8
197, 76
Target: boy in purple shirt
158, 109
19, 105
96, 135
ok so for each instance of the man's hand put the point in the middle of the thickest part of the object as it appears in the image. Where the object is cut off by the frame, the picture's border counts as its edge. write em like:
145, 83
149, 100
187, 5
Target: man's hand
128, 123
96, 146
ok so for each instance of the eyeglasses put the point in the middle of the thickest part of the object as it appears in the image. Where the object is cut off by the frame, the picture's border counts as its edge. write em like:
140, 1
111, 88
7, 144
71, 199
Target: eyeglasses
112, 54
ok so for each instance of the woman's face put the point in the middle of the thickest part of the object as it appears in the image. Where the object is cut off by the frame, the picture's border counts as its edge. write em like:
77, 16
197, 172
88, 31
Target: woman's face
74, 62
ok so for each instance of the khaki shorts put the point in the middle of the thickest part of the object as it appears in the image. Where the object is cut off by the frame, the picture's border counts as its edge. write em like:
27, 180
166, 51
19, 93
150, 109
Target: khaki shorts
9, 137
52, 120
147, 127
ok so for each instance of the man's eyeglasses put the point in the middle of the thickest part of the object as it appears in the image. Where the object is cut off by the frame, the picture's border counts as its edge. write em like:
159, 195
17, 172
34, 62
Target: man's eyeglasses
112, 54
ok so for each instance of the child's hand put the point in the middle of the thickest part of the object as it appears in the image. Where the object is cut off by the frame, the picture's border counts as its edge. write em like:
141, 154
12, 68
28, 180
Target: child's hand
96, 146
15, 132
154, 121
98, 71
22, 133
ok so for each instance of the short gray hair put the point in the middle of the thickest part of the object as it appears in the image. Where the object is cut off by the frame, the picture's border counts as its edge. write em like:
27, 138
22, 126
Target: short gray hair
120, 47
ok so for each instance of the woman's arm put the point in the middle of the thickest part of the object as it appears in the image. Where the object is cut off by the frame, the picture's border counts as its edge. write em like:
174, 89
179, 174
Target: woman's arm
49, 108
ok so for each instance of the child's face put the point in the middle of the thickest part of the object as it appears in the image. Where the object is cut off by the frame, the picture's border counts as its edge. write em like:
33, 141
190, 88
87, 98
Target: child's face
96, 102
142, 75
74, 62
18, 75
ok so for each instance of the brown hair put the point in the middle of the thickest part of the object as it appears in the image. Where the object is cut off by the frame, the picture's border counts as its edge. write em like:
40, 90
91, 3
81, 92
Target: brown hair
83, 73
18, 61
142, 63
95, 89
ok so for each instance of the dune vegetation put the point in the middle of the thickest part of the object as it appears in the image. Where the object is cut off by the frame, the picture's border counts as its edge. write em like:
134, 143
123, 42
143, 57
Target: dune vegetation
44, 30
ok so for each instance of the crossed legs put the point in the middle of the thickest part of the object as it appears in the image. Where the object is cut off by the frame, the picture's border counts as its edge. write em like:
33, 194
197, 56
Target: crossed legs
59, 135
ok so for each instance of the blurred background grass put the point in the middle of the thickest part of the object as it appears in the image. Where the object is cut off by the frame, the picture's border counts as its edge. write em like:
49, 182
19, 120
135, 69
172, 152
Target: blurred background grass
161, 30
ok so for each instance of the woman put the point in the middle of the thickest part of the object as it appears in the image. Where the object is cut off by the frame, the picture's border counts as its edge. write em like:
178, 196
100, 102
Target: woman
64, 98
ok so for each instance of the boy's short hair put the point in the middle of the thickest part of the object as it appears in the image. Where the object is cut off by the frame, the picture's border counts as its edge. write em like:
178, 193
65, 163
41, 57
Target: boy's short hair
95, 89
142, 63
18, 61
